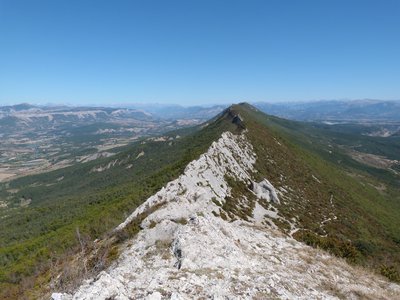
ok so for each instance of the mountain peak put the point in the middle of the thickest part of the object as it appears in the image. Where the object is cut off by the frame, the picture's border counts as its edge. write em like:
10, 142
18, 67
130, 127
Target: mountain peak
234, 116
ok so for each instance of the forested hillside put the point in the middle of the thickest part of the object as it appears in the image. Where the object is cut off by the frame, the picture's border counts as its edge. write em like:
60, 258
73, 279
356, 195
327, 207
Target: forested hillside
325, 202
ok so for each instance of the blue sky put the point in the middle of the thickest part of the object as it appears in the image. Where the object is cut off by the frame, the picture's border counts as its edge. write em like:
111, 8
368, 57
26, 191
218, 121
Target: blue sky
198, 52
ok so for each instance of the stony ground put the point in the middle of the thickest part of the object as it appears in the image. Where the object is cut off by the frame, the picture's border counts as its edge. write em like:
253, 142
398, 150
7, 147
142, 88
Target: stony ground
187, 251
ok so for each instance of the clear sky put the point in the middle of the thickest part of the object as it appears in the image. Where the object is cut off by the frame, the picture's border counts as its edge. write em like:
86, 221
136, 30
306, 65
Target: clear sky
198, 51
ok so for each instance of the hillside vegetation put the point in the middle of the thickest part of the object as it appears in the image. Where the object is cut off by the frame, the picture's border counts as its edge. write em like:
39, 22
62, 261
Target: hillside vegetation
335, 202
328, 204
36, 238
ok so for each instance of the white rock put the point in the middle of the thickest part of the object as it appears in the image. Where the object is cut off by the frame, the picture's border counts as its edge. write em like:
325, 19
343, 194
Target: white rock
265, 190
60, 296
154, 296
211, 258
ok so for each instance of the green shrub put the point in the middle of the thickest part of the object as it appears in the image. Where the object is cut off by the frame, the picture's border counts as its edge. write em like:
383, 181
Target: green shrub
390, 272
334, 245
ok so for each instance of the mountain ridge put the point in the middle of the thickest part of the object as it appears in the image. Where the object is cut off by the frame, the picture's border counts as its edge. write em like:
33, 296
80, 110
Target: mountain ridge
319, 205
200, 237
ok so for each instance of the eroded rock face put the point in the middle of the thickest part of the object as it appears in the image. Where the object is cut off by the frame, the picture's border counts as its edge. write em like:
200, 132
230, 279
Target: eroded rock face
203, 180
265, 190
187, 251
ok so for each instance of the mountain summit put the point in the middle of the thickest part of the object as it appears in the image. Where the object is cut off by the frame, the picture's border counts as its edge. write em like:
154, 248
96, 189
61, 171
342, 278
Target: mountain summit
236, 223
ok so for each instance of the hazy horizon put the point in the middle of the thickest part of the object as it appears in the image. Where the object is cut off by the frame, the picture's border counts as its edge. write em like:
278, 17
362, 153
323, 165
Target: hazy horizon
165, 104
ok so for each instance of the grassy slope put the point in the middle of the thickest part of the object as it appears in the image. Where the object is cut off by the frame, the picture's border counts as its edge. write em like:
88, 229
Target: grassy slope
367, 229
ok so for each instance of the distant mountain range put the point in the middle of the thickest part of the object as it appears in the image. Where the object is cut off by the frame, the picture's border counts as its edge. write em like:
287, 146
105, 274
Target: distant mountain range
335, 110
172, 111
329, 110
56, 115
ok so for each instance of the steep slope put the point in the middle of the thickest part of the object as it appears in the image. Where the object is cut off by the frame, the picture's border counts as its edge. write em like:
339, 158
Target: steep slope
194, 244
332, 206
37, 239
262, 179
